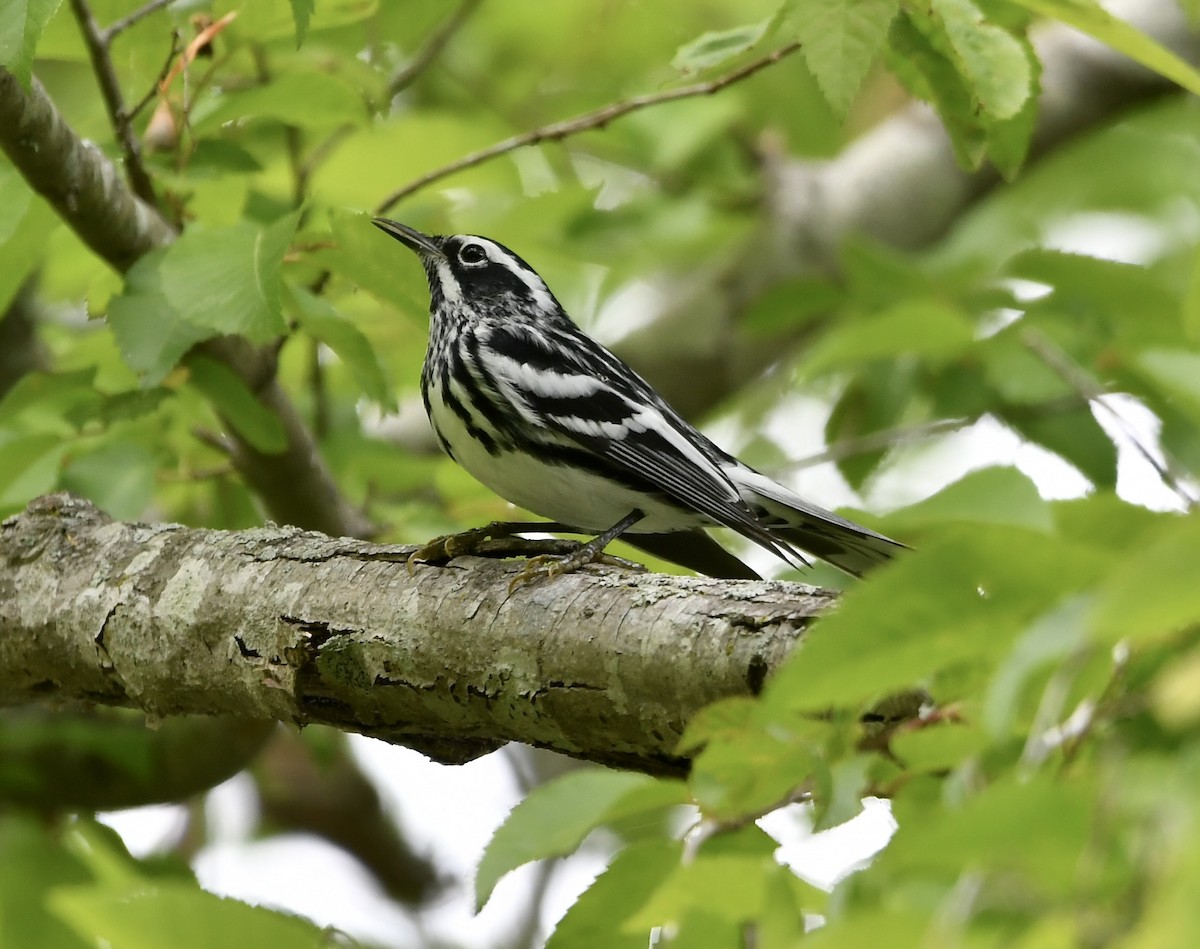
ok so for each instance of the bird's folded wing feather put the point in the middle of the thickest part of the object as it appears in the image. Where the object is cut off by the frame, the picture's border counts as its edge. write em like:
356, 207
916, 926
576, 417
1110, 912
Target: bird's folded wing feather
577, 389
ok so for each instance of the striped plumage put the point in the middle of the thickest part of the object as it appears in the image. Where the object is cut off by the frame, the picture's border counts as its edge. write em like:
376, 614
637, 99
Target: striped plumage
552, 421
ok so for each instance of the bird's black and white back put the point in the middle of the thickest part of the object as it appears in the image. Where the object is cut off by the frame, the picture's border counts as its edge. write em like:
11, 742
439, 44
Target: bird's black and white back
552, 421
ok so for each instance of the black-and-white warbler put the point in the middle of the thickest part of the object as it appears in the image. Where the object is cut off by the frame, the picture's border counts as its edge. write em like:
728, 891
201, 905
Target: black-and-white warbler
552, 421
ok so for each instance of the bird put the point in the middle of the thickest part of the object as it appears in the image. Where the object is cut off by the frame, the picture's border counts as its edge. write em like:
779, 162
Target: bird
552, 421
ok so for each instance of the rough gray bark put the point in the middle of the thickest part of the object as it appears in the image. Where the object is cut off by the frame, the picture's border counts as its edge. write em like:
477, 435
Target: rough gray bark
278, 623
89, 194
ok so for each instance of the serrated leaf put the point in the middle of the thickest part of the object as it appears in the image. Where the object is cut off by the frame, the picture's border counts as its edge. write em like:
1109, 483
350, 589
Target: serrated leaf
237, 404
991, 59
595, 920
302, 11
151, 334
840, 40
552, 821
138, 916
925, 328
21, 24
728, 886
370, 259
929, 73
988, 496
716, 47
227, 279
1089, 17
881, 640
320, 320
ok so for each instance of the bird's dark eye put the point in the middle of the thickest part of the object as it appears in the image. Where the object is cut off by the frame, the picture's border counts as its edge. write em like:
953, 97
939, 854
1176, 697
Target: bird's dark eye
472, 255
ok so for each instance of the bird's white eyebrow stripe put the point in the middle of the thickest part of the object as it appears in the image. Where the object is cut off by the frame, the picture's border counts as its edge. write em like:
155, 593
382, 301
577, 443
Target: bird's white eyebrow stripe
538, 290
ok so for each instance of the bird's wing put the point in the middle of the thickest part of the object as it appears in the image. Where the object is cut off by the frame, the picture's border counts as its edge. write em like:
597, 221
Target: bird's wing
574, 388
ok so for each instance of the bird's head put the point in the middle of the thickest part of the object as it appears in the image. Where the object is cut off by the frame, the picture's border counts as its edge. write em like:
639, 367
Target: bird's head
478, 274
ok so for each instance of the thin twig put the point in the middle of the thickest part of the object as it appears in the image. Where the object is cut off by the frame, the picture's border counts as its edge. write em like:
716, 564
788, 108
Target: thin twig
598, 118
106, 76
875, 441
431, 48
156, 88
110, 33
1173, 475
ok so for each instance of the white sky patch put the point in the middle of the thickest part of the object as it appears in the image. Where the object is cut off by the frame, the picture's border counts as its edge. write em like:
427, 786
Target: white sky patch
1126, 238
825, 858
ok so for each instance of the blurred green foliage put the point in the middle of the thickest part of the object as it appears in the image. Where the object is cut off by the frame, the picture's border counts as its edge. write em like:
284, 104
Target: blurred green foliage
1048, 799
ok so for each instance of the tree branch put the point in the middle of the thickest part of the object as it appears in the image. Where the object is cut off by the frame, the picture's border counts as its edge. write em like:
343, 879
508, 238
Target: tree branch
87, 192
898, 184
97, 45
283, 624
431, 49
120, 26
582, 123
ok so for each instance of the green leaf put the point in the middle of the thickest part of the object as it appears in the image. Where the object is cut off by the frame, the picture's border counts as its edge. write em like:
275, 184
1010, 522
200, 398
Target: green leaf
596, 919
1089, 17
930, 73
1177, 373
321, 321
728, 886
374, 261
146, 915
714, 48
31, 464
1153, 592
21, 24
151, 334
1037, 829
988, 496
991, 59
25, 225
33, 866
227, 279
552, 821
1191, 301
237, 405
925, 328
302, 11
118, 477
840, 40
305, 99
881, 639
1072, 433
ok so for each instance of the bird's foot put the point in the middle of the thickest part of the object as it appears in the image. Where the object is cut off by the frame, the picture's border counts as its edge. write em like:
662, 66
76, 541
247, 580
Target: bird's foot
548, 566
449, 546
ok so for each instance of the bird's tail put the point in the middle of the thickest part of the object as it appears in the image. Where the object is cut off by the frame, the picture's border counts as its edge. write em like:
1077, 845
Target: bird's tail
836, 540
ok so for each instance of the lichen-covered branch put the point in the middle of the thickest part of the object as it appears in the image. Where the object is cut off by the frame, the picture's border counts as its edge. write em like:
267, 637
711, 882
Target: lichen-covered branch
278, 623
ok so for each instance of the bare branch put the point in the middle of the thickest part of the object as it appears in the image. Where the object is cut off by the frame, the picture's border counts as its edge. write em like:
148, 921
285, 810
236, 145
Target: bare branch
431, 48
110, 89
598, 118
121, 25
285, 624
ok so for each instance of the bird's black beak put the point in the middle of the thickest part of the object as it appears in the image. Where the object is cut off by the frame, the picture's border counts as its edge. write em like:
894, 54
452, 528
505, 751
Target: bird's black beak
422, 244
